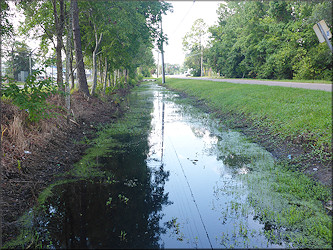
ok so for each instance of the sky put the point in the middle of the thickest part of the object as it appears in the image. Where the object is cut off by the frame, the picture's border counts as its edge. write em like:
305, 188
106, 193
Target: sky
178, 23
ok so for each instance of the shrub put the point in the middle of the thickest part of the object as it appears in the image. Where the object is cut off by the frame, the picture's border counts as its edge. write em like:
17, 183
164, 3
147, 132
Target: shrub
140, 77
32, 97
132, 82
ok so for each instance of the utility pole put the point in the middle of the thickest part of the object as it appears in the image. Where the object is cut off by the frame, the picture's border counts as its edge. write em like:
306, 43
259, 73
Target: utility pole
13, 62
162, 54
201, 58
30, 54
158, 62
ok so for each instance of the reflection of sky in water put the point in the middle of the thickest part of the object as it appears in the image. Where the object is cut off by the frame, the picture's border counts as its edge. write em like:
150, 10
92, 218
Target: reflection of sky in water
208, 198
187, 191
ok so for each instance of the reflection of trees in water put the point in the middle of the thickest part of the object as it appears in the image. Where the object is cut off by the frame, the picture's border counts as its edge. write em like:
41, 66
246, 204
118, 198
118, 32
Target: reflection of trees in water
77, 215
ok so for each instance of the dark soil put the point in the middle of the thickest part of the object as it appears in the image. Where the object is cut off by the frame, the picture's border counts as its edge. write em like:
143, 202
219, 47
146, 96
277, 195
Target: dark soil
54, 149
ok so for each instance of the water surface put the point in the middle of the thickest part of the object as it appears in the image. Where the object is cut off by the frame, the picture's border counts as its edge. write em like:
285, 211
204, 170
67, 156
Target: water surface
173, 178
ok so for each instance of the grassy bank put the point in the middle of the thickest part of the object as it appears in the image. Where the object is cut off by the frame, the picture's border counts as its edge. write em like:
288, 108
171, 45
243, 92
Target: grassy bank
281, 80
293, 206
297, 115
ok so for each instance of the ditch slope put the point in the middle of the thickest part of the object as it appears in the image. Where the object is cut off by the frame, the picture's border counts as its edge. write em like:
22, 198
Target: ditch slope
34, 154
295, 152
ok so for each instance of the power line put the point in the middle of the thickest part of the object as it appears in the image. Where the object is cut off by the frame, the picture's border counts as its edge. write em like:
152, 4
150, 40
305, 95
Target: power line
183, 18
188, 184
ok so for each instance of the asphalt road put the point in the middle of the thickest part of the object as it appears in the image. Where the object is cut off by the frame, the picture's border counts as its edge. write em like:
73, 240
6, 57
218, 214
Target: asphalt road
315, 86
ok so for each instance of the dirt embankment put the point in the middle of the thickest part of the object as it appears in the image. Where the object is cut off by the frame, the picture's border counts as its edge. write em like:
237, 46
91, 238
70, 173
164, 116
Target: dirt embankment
32, 154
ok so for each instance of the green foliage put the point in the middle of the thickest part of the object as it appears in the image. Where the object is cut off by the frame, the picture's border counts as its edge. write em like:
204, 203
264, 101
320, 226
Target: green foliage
32, 96
38, 14
172, 69
273, 40
109, 201
311, 64
99, 87
193, 43
18, 60
140, 77
109, 90
128, 31
132, 82
6, 28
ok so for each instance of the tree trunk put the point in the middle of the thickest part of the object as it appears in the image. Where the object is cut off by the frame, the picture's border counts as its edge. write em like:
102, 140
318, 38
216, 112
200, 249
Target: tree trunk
106, 73
101, 70
201, 62
125, 76
94, 84
82, 78
110, 83
94, 55
59, 24
71, 64
68, 61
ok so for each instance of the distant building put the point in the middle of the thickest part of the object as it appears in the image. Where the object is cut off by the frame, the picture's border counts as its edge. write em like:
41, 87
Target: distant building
22, 76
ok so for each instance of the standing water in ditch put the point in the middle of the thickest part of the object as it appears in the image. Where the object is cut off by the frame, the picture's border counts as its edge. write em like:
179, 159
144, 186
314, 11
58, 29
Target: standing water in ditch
166, 175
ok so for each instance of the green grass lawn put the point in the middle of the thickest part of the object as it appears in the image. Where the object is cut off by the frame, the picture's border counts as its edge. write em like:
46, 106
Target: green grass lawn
285, 112
281, 80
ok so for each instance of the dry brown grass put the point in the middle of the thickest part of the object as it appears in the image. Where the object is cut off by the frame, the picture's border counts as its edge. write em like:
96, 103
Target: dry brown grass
16, 132
19, 135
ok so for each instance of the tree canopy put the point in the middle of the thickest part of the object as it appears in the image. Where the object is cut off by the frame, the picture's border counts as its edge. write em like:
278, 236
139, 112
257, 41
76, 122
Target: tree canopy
5, 26
193, 44
270, 40
115, 35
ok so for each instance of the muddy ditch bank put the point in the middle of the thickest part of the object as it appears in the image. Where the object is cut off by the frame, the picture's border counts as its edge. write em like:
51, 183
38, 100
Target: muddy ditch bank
50, 148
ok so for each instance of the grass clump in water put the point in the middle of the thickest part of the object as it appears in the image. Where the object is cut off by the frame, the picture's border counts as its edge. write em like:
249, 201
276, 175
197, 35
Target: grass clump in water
289, 204
292, 202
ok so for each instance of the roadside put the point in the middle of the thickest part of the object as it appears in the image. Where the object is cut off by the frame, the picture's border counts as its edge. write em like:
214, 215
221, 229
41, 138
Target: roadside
33, 155
67, 144
304, 85
294, 125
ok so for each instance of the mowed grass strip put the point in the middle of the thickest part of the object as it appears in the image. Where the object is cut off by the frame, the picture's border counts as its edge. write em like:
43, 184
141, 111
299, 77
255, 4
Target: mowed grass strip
282, 80
287, 112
